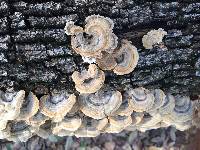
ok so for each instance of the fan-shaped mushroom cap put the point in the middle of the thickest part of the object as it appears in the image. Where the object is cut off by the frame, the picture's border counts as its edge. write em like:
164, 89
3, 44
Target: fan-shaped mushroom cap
29, 107
44, 131
100, 104
37, 120
140, 99
91, 127
168, 106
57, 105
136, 119
19, 131
68, 124
10, 104
158, 101
97, 20
183, 125
153, 37
125, 108
127, 58
96, 37
71, 29
183, 109
118, 123
89, 81
150, 122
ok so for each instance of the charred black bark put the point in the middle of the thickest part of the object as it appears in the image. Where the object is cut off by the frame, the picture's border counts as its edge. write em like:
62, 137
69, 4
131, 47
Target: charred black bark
35, 52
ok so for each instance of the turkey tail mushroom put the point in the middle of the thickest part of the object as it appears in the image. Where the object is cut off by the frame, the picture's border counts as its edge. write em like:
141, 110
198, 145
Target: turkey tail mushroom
71, 123
89, 81
117, 123
101, 104
140, 99
91, 127
10, 104
29, 107
95, 38
56, 106
126, 57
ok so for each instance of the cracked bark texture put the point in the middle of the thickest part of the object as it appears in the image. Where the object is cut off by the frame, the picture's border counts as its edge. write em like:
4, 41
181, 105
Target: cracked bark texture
35, 53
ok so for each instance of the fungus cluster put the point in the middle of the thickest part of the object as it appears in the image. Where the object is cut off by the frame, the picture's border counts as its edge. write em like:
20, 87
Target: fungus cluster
96, 41
90, 114
98, 108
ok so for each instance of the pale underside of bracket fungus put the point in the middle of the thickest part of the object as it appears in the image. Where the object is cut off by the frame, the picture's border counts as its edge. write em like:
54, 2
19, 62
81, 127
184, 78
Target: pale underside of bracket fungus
97, 41
89, 81
105, 111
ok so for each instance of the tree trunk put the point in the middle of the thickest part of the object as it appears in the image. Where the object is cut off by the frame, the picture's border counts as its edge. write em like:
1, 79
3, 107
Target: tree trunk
35, 52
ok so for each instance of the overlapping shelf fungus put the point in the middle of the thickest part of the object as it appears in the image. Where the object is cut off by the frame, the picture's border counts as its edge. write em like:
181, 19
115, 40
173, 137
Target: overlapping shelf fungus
88, 115
95, 107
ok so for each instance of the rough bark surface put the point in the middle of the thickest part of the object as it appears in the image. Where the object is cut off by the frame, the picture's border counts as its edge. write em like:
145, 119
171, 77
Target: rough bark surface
35, 52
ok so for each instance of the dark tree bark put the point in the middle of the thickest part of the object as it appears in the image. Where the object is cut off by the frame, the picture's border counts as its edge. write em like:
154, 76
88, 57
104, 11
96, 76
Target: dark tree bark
35, 52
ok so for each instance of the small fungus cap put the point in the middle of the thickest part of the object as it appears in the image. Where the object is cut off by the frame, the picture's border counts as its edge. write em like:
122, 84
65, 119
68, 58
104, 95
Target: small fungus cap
100, 104
127, 58
153, 37
140, 99
91, 127
95, 38
89, 81
68, 123
118, 123
10, 104
29, 108
56, 106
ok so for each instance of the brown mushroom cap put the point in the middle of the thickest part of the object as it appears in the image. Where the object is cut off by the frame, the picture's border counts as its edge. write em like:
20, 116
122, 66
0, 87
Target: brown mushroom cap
57, 105
10, 104
107, 61
100, 104
91, 127
140, 99
29, 108
118, 123
127, 58
89, 81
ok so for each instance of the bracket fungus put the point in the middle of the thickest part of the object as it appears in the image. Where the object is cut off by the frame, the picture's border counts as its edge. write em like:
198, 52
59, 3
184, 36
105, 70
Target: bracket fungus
97, 36
89, 81
91, 127
101, 104
56, 106
153, 37
117, 123
140, 99
29, 107
98, 43
126, 57
10, 104
71, 123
